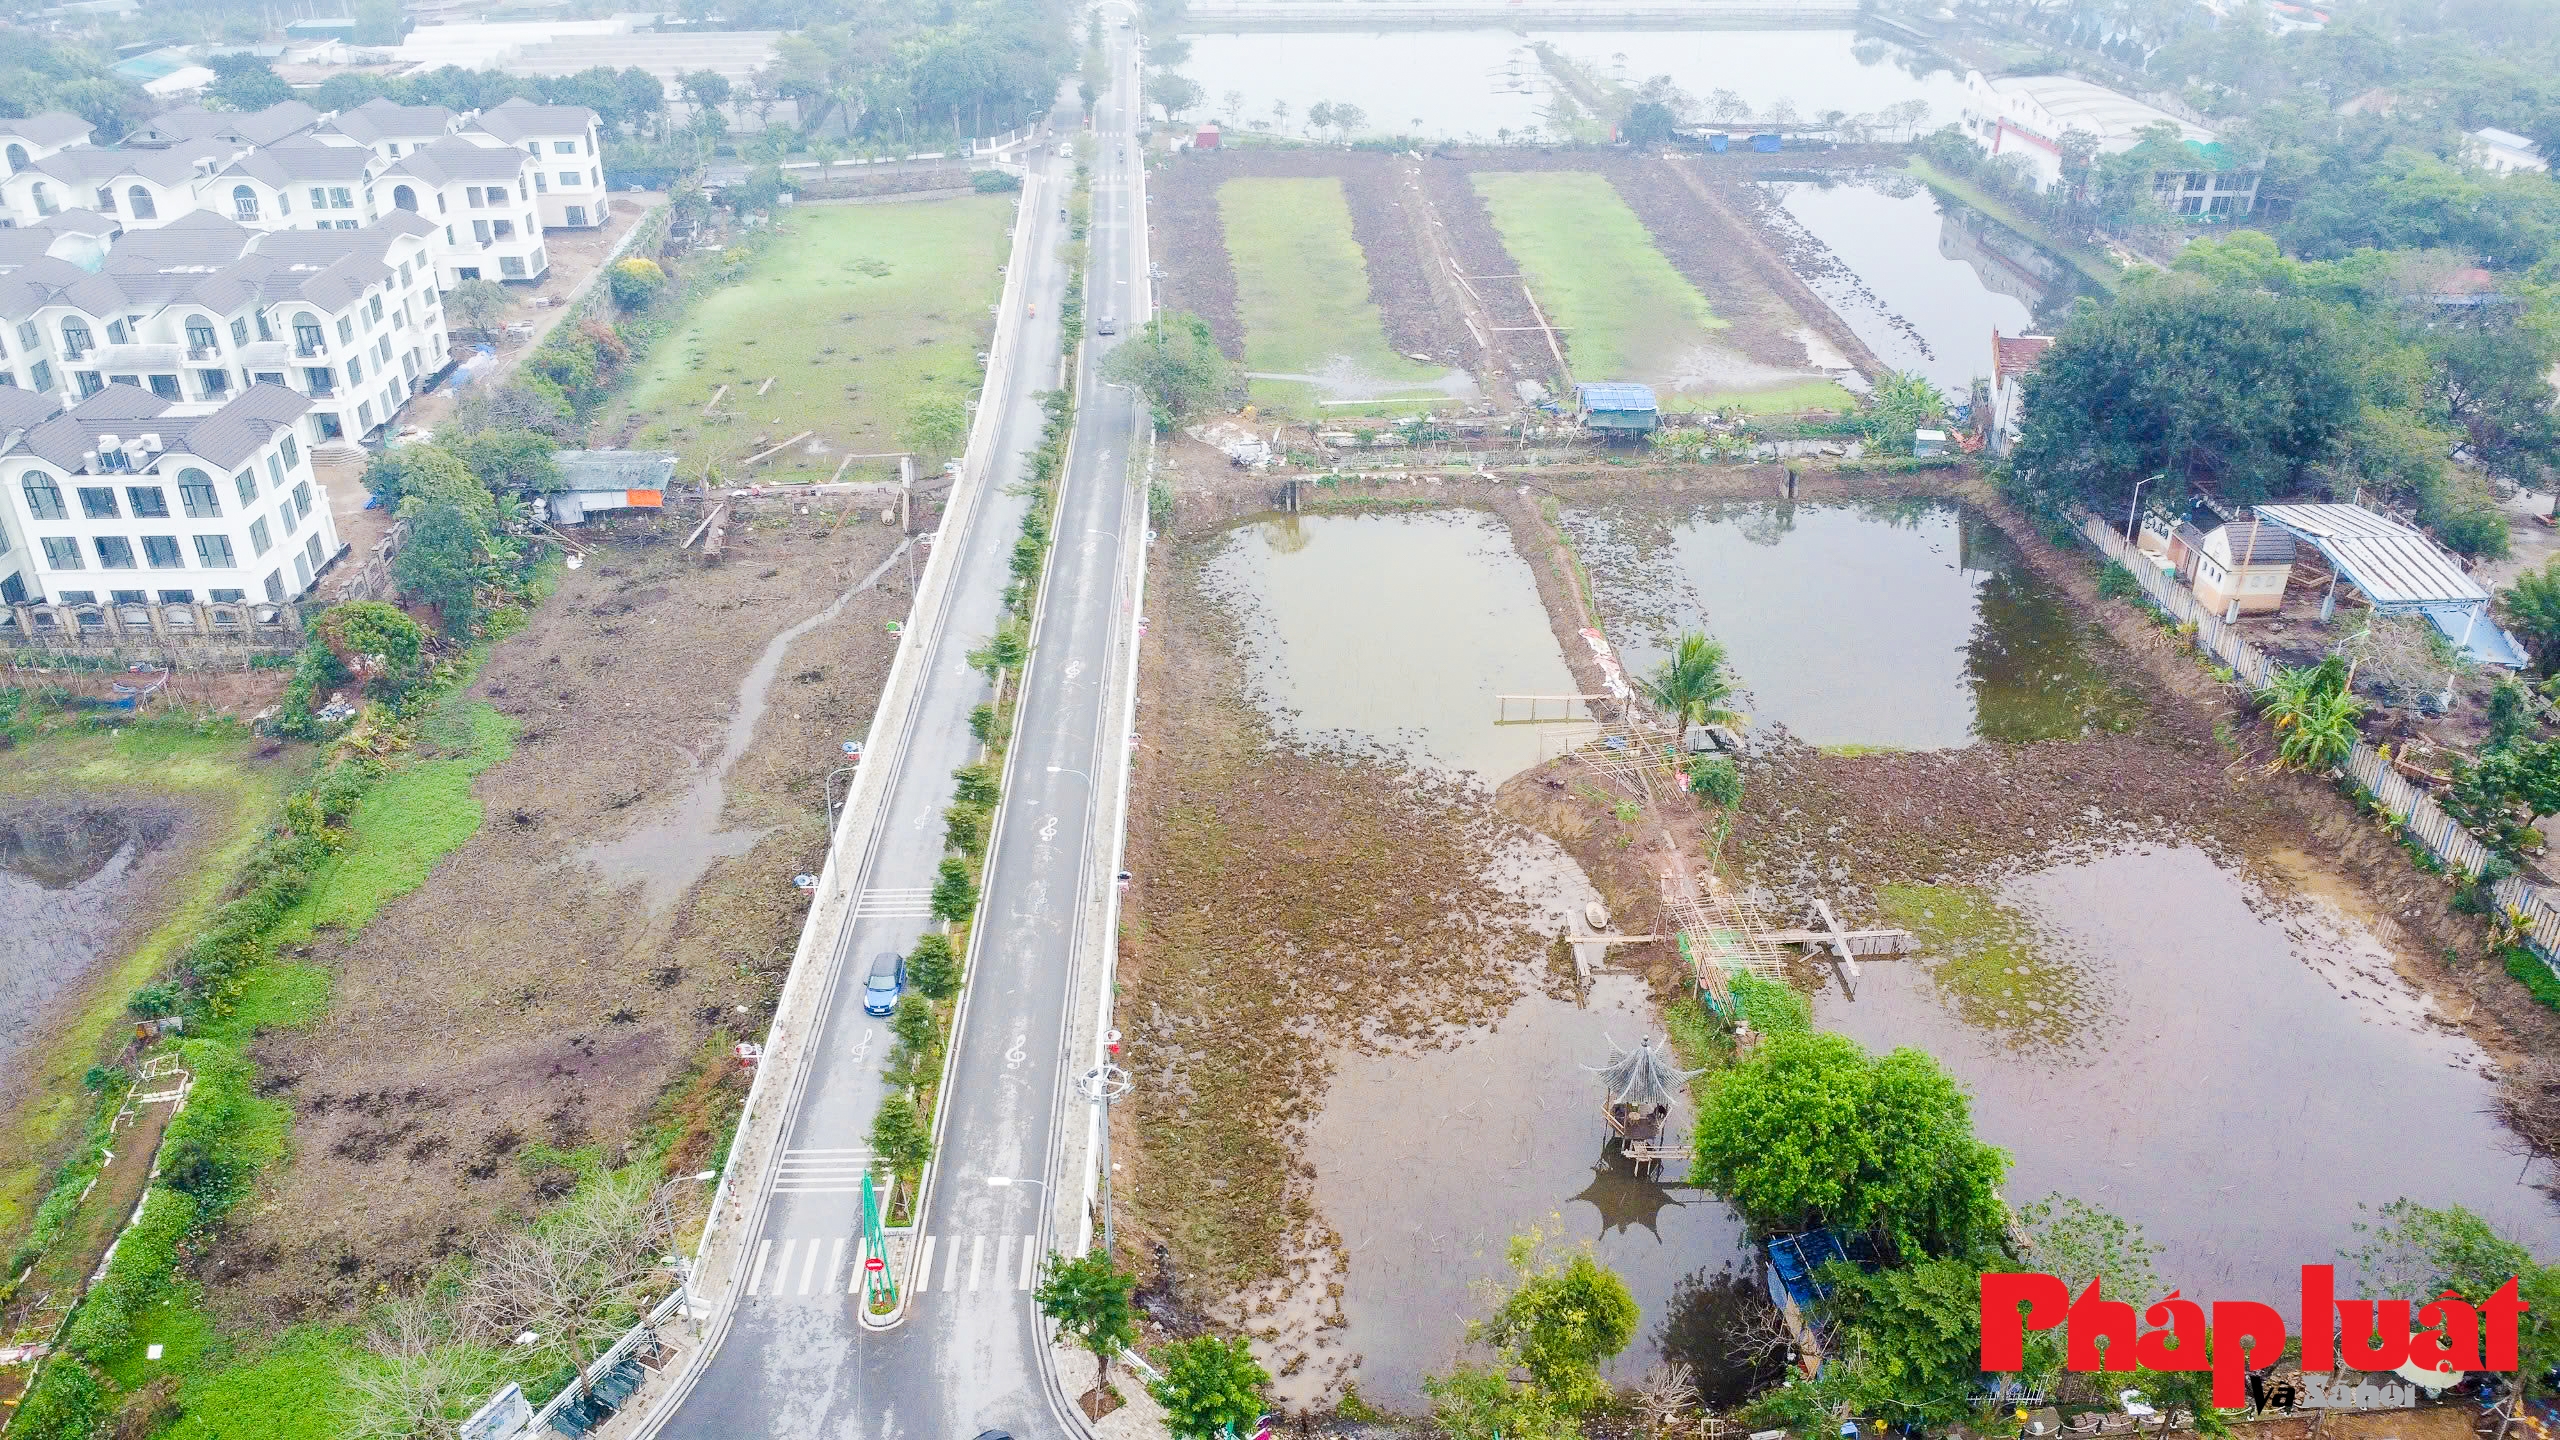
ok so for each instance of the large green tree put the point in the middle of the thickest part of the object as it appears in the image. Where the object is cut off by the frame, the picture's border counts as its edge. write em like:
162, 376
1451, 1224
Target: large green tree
1208, 1385
2418, 1250
2243, 392
1089, 1298
1564, 1317
1175, 362
1813, 1130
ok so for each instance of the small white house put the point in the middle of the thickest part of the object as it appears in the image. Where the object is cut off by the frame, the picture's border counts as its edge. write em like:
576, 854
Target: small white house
2504, 152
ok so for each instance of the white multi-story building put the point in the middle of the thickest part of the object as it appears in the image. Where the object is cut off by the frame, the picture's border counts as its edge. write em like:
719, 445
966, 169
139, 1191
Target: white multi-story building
130, 499
203, 309
568, 177
295, 184
479, 198
2030, 116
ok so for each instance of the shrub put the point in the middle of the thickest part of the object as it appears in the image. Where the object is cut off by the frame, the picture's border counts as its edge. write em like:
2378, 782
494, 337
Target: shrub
69, 1402
2118, 583
146, 1258
2535, 976
1716, 779
913, 1024
977, 785
635, 282
1771, 1007
994, 182
934, 967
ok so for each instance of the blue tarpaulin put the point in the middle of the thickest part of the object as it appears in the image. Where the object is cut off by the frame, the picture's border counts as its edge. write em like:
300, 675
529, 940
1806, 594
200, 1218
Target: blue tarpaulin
1795, 1261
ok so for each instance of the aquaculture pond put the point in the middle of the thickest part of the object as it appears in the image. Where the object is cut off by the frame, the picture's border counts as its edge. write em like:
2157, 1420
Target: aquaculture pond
2223, 1057
68, 879
1479, 84
1428, 1164
1922, 280
1906, 624
1390, 635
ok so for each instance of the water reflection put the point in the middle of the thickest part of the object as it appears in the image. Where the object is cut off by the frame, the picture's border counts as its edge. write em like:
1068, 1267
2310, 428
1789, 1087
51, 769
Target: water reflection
2256, 1079
1910, 623
1922, 282
1707, 1328
1427, 1164
1390, 635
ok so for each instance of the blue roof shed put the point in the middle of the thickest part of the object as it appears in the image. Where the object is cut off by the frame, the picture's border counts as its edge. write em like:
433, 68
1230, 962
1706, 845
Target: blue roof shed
1617, 405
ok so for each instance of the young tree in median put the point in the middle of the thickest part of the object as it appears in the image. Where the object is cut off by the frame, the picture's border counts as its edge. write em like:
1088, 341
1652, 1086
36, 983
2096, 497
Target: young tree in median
1089, 1298
955, 895
1208, 1385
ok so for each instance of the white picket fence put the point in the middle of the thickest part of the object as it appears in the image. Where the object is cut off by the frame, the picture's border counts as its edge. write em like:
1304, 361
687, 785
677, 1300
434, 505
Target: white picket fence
2535, 909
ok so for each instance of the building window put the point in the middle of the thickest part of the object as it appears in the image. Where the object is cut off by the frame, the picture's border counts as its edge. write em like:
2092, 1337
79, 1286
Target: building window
364, 421
327, 426
577, 214
44, 200
568, 179
226, 597
195, 491
404, 274
29, 336
244, 203
346, 331
215, 383
165, 386
308, 338
13, 591
239, 332
292, 453
340, 198
161, 552
114, 552
75, 340
150, 502
595, 177
480, 231
40, 375
301, 572
89, 383
260, 541
311, 547
284, 513
61, 553
275, 474
471, 197
320, 381
98, 502
511, 266
79, 597
106, 199
200, 338
275, 587
319, 198
177, 597
246, 482
143, 208
302, 498
44, 498
377, 309
267, 377
128, 597
355, 370
541, 183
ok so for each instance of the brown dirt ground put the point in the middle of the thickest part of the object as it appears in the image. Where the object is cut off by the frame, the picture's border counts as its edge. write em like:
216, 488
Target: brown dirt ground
462, 1037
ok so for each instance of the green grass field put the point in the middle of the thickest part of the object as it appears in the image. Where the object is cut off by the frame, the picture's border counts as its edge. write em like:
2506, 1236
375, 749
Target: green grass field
1625, 313
856, 312
1302, 288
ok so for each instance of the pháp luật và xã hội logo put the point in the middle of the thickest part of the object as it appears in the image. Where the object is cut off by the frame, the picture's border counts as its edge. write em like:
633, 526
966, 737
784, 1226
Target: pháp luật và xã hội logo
2451, 1336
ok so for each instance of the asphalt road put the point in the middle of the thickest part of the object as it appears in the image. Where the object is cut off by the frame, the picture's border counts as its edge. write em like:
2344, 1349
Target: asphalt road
795, 1361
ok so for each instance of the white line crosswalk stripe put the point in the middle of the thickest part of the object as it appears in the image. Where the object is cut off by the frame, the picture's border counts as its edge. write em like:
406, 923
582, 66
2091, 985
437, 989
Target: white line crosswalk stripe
1004, 1259
924, 1266
977, 1261
823, 1172
893, 904
755, 1277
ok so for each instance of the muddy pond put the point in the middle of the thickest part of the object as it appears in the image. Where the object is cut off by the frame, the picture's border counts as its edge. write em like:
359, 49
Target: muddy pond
1923, 281
2226, 1059
1905, 624
69, 875
1484, 84
1390, 635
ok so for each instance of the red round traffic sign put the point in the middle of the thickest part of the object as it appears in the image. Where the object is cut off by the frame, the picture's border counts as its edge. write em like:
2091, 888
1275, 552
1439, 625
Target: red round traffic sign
875, 1264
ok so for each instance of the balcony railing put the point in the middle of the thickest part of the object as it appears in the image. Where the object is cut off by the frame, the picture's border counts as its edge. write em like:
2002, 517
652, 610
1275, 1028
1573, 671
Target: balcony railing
203, 353
310, 349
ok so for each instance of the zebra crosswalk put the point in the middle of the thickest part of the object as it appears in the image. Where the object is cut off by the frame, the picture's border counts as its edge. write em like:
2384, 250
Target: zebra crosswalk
831, 1265
824, 1172
877, 904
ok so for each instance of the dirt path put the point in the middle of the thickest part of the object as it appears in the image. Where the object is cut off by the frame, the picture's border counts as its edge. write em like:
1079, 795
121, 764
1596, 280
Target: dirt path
467, 1050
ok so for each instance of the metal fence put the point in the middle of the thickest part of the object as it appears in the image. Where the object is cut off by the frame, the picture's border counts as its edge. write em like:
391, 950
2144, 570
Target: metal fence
632, 1339
2534, 909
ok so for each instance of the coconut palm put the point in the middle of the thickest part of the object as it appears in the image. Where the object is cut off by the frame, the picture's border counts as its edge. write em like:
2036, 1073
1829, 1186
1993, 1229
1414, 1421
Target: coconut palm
1693, 684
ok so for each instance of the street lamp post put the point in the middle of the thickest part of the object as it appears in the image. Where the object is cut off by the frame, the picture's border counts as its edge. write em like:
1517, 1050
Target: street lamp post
832, 802
2132, 535
1104, 1085
682, 1265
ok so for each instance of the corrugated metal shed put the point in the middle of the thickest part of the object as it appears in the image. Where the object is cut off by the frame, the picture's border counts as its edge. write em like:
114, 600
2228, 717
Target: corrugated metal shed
1614, 395
2401, 571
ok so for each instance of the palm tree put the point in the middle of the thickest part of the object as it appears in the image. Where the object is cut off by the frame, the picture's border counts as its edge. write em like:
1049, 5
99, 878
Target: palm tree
2314, 714
1693, 684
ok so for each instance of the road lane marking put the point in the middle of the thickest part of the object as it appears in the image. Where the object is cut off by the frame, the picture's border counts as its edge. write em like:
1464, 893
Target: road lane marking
755, 1277
835, 1262
782, 1266
977, 1260
893, 904
951, 1268
1004, 1257
1029, 1253
924, 1266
